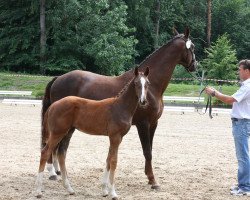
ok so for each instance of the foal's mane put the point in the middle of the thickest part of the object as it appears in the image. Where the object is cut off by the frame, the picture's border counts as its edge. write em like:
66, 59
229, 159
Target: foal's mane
159, 48
124, 88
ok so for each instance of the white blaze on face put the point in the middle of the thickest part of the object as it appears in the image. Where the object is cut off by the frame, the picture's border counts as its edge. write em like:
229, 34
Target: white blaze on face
143, 82
188, 44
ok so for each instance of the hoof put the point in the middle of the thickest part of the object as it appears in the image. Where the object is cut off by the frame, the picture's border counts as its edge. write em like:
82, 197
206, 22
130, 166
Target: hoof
54, 178
58, 173
105, 195
39, 196
72, 193
155, 187
114, 198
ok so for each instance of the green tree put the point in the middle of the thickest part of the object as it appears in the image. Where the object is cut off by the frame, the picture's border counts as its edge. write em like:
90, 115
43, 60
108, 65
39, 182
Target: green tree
80, 34
221, 59
19, 35
232, 17
90, 35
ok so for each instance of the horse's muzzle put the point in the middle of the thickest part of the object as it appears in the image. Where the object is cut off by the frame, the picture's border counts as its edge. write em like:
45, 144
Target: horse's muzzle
143, 103
193, 66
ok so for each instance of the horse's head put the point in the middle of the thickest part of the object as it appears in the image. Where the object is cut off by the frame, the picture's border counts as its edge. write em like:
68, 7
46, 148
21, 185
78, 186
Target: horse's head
187, 57
141, 85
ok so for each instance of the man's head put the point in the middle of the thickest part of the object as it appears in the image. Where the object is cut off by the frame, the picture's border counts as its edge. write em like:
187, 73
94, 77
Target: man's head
244, 69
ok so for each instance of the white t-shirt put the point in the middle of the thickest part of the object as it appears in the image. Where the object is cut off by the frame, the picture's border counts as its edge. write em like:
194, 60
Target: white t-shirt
241, 108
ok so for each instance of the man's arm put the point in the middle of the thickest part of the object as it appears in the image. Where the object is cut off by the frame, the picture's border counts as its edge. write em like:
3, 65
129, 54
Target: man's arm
224, 98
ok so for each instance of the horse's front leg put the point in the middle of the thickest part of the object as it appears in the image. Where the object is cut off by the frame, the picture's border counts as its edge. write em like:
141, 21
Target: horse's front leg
111, 166
105, 179
146, 134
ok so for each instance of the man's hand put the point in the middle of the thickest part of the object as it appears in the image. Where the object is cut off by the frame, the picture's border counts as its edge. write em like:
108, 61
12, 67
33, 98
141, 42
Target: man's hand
211, 91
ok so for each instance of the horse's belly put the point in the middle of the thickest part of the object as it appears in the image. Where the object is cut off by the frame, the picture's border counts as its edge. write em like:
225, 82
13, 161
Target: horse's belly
93, 131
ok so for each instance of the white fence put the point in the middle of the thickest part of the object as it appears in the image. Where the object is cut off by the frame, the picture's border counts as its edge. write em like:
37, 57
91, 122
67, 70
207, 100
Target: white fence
22, 102
23, 93
189, 99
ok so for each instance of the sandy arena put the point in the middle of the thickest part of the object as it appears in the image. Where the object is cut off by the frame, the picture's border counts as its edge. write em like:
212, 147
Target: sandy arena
193, 158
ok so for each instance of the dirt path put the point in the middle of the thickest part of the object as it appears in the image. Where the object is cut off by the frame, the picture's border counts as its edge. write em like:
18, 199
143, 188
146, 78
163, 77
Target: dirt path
193, 158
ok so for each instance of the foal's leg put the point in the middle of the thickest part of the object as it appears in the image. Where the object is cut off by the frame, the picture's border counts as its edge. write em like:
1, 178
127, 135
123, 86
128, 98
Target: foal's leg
144, 134
62, 150
112, 159
105, 179
45, 153
54, 168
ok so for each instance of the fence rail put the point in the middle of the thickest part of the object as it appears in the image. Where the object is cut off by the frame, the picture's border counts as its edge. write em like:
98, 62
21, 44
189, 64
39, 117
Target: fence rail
6, 92
178, 98
22, 102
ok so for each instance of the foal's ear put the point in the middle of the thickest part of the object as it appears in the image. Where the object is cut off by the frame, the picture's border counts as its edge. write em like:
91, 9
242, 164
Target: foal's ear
187, 32
136, 71
146, 71
175, 31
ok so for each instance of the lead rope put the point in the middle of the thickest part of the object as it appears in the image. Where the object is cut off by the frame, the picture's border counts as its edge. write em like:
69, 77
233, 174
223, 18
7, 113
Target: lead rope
209, 98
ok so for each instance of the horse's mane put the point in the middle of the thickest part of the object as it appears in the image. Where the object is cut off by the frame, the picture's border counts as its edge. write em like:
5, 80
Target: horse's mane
164, 45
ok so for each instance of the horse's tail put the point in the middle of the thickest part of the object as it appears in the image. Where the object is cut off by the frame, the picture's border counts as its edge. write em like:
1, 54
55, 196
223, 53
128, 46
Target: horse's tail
45, 105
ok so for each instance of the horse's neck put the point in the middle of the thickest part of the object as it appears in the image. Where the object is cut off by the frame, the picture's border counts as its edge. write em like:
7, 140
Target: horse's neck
128, 99
162, 64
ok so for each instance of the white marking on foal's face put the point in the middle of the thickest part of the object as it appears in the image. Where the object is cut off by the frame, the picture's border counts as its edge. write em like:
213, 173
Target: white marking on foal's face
143, 82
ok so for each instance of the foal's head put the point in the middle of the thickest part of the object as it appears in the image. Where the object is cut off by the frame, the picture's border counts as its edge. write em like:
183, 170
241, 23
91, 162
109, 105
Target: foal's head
141, 85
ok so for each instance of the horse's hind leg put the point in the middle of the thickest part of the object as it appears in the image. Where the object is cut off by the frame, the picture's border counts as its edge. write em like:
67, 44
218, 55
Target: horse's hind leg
52, 165
62, 150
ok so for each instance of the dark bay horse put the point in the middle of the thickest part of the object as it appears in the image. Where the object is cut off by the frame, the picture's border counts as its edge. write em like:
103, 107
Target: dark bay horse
162, 62
111, 117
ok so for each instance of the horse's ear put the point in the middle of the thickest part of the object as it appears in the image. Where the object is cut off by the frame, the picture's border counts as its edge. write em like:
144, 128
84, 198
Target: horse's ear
187, 32
136, 71
175, 31
146, 71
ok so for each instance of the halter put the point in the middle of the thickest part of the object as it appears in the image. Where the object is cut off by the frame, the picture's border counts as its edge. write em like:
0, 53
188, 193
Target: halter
188, 48
188, 45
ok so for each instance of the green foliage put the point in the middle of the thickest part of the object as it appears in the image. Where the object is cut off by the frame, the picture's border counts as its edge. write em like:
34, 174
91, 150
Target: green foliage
232, 17
89, 35
109, 37
19, 35
221, 59
81, 34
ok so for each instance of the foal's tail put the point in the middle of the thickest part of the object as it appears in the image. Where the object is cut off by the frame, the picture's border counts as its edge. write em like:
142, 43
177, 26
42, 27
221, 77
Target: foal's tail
45, 105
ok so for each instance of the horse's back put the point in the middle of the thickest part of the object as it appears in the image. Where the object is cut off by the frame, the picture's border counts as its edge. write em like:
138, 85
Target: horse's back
85, 84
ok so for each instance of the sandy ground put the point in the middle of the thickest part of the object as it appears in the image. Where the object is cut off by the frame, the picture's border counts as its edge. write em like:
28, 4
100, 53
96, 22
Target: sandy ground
193, 158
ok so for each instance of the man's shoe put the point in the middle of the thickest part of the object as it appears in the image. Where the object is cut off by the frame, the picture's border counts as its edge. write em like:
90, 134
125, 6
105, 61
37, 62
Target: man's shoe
240, 192
234, 187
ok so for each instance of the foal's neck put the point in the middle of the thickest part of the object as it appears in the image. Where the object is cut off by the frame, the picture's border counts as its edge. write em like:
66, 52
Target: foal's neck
128, 98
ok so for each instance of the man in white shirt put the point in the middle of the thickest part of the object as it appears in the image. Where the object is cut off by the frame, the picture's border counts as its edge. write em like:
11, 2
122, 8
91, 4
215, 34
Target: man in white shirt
240, 116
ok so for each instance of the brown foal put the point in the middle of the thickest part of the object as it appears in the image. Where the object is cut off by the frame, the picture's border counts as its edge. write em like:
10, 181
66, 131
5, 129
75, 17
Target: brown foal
111, 117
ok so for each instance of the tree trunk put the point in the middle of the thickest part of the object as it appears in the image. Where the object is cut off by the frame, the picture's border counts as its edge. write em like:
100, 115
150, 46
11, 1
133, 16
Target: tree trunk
42, 36
209, 8
157, 23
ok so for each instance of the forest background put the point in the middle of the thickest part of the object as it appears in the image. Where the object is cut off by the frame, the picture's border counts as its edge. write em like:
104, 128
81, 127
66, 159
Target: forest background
111, 36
